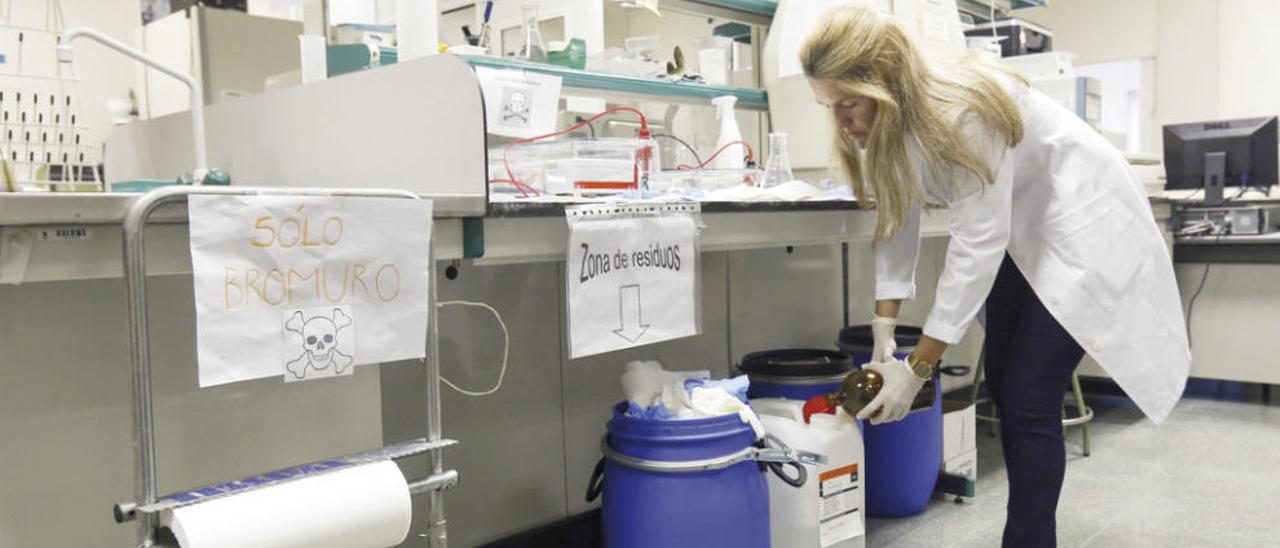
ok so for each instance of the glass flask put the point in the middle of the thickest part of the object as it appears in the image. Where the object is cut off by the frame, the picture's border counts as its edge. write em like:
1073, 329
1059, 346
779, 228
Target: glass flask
534, 49
778, 168
861, 386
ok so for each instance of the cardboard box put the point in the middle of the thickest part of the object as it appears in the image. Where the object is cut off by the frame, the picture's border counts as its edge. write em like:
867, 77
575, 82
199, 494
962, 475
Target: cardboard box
964, 464
959, 429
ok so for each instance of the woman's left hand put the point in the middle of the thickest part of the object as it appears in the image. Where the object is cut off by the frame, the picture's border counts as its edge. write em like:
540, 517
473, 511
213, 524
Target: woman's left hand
929, 350
884, 345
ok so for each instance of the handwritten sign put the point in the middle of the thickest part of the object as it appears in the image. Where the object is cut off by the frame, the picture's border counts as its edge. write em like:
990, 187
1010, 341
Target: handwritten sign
307, 287
632, 274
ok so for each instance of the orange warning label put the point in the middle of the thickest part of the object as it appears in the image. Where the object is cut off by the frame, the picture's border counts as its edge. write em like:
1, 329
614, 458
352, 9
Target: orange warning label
839, 472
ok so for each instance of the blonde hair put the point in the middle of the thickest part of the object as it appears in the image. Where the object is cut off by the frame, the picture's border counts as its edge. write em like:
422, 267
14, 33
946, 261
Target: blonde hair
866, 53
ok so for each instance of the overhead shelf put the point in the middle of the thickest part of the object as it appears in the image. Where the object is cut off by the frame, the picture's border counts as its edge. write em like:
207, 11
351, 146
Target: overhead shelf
756, 7
613, 85
980, 10
977, 8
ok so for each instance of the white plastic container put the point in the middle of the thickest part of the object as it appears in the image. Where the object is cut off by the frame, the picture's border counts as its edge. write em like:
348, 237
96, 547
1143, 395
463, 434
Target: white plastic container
733, 156
715, 59
827, 512
643, 44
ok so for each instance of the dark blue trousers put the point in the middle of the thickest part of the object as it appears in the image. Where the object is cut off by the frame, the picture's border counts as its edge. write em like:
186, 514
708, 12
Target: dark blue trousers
1029, 362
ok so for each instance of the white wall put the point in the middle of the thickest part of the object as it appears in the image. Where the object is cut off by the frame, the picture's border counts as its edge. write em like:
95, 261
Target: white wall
1126, 105
1214, 59
1248, 58
1186, 63
1099, 31
340, 11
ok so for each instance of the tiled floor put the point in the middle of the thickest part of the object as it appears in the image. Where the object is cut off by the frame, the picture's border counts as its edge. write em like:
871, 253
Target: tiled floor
1210, 476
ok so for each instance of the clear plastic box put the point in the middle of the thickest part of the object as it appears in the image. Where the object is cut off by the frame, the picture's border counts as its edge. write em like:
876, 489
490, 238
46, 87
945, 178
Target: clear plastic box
643, 44
574, 166
704, 179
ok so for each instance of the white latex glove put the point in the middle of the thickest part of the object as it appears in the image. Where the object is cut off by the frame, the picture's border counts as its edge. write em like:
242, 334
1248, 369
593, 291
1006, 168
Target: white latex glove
899, 389
882, 334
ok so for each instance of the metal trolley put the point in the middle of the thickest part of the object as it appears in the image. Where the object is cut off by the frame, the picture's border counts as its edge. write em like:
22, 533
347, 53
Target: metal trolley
147, 507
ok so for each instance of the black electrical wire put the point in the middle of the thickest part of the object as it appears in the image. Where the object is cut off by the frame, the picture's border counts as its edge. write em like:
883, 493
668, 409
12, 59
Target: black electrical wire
696, 160
1191, 305
1190, 199
1245, 190
590, 126
692, 151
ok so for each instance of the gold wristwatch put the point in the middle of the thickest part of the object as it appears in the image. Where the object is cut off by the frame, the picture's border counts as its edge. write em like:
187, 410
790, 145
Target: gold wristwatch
921, 369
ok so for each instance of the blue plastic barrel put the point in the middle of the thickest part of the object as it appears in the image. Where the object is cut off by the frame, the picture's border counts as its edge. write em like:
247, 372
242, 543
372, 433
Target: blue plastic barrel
903, 457
643, 509
795, 374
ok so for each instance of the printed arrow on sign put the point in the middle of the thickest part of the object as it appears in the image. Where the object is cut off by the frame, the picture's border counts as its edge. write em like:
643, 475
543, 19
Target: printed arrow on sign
631, 324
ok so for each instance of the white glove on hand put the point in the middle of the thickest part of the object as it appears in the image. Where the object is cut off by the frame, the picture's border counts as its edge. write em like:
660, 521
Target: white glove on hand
882, 335
896, 394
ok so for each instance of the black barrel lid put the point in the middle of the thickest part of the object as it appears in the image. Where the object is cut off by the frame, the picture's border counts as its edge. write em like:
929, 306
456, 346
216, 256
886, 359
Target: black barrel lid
907, 336
796, 362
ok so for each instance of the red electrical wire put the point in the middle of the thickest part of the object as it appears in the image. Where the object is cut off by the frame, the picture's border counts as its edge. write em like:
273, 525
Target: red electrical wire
643, 134
523, 188
751, 155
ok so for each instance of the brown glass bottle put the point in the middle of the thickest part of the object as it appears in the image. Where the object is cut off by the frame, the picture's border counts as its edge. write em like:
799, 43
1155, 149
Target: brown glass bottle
862, 385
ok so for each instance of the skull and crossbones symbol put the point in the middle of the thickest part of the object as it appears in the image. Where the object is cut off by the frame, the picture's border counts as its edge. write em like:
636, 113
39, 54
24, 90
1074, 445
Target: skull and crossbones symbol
319, 343
516, 108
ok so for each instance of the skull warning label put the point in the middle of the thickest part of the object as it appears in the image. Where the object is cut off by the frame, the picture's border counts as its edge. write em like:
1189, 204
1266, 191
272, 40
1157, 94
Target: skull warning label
318, 342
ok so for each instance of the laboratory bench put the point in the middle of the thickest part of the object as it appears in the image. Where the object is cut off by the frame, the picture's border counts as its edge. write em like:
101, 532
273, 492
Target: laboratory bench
755, 295
1235, 249
88, 247
1229, 294
556, 209
1260, 248
511, 232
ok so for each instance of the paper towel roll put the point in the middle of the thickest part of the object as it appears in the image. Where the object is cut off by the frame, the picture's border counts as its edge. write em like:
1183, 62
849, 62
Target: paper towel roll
364, 506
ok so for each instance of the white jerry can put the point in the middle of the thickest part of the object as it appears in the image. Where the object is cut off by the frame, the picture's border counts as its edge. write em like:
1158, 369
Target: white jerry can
827, 512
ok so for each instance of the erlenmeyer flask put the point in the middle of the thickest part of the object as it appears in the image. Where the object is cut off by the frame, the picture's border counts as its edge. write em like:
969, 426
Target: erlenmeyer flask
533, 49
778, 168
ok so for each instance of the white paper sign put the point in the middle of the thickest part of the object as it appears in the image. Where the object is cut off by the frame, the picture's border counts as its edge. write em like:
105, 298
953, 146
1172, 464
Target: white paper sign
307, 287
519, 103
631, 273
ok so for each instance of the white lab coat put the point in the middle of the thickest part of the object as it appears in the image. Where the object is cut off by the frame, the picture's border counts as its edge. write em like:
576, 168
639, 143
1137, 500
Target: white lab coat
1076, 221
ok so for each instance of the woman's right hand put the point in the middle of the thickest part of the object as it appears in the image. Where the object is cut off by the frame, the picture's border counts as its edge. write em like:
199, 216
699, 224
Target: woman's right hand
885, 345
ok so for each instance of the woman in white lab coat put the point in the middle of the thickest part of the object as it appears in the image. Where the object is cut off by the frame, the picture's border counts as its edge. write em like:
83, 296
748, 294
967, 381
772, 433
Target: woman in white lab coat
1051, 233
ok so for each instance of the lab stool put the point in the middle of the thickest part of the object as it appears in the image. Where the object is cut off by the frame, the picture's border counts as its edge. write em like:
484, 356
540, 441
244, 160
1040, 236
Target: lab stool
1083, 413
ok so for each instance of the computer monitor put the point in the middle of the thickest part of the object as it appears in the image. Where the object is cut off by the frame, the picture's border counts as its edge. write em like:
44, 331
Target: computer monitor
1214, 155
